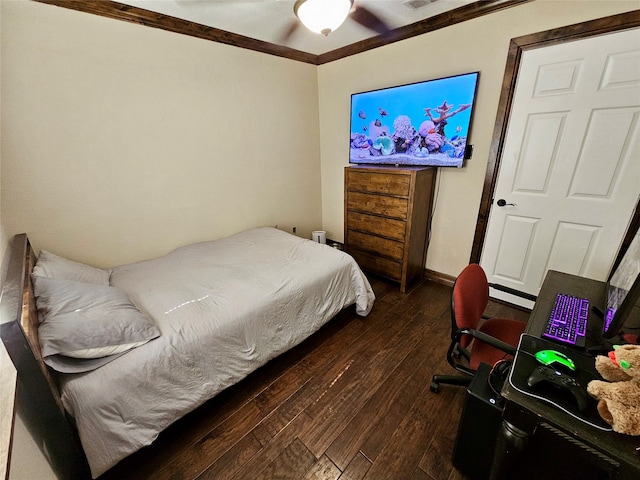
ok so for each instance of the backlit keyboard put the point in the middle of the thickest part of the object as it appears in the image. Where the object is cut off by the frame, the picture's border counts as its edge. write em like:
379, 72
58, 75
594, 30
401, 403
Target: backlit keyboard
568, 320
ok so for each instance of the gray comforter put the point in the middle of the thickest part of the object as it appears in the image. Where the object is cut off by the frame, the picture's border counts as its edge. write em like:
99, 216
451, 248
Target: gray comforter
224, 308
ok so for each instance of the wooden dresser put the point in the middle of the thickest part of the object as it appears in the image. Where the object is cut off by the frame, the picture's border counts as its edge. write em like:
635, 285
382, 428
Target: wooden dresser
387, 219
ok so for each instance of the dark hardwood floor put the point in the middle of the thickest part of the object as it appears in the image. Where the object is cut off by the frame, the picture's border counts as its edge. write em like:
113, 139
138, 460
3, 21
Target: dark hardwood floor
352, 402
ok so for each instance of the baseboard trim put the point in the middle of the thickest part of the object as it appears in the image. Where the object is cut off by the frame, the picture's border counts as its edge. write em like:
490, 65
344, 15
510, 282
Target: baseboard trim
438, 277
448, 280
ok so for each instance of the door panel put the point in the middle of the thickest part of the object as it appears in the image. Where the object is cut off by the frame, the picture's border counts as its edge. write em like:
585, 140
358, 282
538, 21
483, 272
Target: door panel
571, 246
539, 147
610, 134
517, 239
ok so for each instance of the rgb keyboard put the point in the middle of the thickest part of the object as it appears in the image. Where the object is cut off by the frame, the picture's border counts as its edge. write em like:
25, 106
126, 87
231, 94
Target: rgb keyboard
568, 320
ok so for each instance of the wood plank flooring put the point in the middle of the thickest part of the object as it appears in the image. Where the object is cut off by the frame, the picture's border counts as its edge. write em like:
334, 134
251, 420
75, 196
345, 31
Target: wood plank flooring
352, 402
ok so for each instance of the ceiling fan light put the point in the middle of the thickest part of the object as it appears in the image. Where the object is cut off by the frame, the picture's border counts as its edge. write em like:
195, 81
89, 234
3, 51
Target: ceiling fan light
322, 16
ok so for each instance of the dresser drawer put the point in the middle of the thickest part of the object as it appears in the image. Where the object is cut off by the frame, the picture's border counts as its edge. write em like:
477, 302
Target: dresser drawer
391, 184
375, 244
386, 227
381, 266
379, 204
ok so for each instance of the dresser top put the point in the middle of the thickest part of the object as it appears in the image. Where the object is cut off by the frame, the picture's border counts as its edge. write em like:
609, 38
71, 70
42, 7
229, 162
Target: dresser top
388, 168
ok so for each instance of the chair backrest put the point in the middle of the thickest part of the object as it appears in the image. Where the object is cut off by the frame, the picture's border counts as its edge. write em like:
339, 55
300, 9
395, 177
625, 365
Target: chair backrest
469, 300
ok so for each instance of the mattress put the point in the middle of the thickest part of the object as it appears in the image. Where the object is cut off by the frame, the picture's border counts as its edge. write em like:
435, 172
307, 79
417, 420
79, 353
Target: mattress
224, 308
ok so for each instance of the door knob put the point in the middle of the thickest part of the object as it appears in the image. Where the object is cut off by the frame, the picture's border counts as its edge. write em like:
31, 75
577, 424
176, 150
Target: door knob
502, 202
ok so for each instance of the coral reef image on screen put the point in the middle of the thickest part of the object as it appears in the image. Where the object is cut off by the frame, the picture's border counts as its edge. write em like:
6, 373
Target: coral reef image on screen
424, 123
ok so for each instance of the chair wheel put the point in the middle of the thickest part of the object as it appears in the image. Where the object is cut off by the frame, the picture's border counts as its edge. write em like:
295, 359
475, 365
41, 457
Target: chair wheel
434, 387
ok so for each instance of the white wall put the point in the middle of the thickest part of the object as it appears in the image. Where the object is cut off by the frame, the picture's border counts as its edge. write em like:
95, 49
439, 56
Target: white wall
122, 142
477, 45
3, 235
27, 461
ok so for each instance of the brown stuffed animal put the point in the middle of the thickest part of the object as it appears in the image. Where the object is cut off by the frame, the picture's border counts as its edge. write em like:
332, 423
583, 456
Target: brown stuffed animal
619, 398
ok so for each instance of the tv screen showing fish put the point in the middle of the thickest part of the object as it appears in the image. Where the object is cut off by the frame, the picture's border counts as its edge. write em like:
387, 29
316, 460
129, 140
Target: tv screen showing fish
425, 123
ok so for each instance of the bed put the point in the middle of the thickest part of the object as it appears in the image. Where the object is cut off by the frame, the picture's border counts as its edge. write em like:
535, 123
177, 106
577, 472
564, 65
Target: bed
222, 309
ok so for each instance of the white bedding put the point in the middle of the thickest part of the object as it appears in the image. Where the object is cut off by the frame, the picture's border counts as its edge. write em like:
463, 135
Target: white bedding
224, 308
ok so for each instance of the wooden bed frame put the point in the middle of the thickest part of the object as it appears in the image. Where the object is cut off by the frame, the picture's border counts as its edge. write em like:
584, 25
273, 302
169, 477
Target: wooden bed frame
38, 397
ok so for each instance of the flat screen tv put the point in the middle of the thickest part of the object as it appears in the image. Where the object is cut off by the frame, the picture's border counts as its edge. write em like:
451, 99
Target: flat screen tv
424, 123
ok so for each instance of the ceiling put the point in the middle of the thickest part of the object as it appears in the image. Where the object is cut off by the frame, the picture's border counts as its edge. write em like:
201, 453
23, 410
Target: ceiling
261, 24
268, 20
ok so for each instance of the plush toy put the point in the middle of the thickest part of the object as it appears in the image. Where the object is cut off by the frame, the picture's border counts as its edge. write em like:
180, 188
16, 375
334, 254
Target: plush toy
619, 397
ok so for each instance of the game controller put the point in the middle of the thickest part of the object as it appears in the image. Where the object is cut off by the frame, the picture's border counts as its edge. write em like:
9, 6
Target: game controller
555, 359
545, 374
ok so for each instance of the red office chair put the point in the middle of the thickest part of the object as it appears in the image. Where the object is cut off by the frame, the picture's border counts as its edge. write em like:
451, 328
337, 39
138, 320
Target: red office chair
496, 339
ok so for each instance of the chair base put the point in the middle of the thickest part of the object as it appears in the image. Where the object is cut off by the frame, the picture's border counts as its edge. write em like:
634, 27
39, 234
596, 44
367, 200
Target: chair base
458, 380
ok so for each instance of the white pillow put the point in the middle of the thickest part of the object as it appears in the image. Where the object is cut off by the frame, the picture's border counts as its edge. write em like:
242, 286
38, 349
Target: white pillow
53, 266
85, 326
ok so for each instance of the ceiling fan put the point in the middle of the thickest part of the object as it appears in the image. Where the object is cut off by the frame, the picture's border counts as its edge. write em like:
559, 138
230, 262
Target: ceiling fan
325, 16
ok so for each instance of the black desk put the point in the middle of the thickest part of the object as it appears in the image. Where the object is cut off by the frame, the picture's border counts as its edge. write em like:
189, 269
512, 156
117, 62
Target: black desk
523, 415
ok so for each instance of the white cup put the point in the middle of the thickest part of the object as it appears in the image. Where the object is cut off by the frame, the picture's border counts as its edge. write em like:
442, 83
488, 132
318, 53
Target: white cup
319, 236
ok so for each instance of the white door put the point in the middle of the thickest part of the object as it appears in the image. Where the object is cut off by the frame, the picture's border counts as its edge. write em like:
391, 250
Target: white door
570, 163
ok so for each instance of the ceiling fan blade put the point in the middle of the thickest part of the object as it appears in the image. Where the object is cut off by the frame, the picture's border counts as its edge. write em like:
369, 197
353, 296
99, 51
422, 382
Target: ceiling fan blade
370, 20
293, 26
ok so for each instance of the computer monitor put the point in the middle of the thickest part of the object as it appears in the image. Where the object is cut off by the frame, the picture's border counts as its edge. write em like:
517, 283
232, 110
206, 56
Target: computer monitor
623, 290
